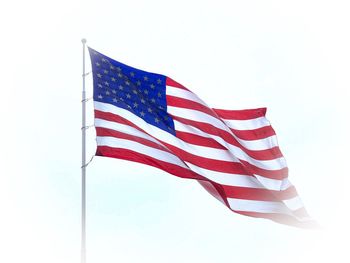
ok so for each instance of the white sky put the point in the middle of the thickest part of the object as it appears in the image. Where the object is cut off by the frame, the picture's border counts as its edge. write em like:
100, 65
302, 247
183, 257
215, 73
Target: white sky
290, 56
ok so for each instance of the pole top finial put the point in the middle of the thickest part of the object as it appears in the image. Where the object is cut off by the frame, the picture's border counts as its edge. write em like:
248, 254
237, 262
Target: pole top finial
83, 41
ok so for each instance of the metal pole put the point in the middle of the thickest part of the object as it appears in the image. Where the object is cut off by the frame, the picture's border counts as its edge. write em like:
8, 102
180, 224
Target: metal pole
83, 165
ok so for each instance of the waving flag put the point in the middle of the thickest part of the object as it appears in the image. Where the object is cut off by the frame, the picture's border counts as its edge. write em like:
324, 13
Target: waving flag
151, 119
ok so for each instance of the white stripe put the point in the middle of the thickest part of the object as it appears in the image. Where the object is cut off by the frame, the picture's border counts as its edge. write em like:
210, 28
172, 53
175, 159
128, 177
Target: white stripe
184, 94
196, 115
251, 124
137, 121
274, 184
226, 178
124, 129
239, 179
294, 203
258, 206
140, 148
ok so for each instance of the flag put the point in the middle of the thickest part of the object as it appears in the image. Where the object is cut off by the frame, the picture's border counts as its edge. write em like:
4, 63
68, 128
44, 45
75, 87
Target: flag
152, 119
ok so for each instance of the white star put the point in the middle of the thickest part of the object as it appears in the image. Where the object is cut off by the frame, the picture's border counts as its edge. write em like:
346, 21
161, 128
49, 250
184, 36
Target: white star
159, 95
143, 101
105, 71
99, 75
106, 83
149, 110
114, 91
145, 91
98, 64
135, 105
107, 92
100, 96
127, 83
119, 69
113, 79
132, 74
153, 100
142, 113
99, 85
115, 100
152, 86
111, 67
156, 120
159, 81
134, 91
121, 87
138, 83
145, 78
128, 96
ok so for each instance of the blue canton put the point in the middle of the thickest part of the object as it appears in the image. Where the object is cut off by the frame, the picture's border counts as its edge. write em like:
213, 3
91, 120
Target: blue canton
137, 91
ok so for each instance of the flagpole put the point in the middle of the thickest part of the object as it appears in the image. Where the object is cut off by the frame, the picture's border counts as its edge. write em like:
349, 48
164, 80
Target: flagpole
83, 164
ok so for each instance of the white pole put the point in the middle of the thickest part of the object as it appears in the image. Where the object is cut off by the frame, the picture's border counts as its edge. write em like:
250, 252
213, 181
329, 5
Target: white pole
83, 164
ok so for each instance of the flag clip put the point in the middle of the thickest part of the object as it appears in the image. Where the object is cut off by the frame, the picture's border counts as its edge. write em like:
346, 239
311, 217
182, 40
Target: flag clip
84, 75
85, 165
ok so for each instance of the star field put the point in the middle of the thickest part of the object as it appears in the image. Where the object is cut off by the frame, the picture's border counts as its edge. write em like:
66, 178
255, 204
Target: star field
137, 91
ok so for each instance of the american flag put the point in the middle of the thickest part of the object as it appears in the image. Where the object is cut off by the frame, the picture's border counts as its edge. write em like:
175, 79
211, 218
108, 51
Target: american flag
151, 119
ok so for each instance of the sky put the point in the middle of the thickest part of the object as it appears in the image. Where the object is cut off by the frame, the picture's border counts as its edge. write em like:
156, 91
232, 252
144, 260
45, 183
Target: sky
289, 56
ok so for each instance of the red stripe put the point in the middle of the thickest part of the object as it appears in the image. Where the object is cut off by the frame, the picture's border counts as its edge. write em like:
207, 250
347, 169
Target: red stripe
173, 83
120, 135
279, 174
241, 114
133, 156
268, 154
198, 140
115, 118
215, 190
208, 163
189, 104
256, 134
259, 193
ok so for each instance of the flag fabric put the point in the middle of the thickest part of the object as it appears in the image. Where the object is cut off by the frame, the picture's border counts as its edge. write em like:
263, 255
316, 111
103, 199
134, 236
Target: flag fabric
151, 119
